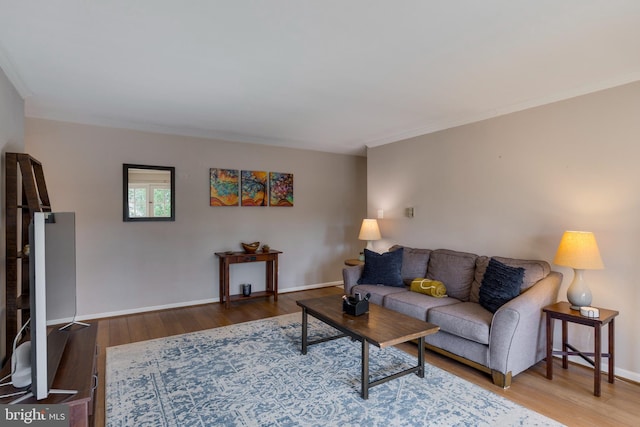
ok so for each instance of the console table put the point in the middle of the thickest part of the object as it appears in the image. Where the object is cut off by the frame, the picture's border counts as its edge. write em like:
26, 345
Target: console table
271, 265
562, 311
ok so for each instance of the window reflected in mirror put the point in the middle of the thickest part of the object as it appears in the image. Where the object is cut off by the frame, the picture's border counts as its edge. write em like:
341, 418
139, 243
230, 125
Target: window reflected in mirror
149, 193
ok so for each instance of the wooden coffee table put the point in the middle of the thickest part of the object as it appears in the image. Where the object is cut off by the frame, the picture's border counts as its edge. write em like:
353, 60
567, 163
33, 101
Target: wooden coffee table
380, 326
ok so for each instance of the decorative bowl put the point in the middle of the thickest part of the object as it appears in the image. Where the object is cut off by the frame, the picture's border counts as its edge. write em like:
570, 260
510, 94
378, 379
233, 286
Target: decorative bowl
251, 248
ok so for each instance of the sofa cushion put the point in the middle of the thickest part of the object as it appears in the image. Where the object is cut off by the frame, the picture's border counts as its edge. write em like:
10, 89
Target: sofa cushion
382, 269
500, 285
378, 292
414, 304
534, 271
467, 320
414, 262
455, 269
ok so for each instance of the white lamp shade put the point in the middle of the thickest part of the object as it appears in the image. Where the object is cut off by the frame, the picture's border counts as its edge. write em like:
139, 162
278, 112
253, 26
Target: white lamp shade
579, 250
369, 230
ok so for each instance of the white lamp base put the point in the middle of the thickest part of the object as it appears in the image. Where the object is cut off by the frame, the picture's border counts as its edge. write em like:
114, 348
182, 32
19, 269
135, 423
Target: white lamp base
578, 293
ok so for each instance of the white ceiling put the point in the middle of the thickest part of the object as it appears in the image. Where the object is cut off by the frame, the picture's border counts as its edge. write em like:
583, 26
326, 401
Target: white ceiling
330, 75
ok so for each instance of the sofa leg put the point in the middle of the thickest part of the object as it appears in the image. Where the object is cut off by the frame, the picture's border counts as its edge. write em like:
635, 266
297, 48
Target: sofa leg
500, 379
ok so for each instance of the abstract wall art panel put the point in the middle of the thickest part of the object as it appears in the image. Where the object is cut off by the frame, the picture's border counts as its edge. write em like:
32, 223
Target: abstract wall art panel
224, 185
280, 189
254, 188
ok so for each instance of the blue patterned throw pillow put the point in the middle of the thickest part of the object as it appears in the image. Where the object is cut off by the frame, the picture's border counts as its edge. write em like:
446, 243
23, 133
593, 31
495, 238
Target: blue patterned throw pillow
500, 284
382, 269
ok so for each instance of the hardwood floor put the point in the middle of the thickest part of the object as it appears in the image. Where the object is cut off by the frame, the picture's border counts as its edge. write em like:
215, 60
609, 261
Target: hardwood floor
568, 398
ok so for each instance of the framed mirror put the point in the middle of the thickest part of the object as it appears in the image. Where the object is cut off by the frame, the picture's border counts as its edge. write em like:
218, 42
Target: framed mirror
148, 193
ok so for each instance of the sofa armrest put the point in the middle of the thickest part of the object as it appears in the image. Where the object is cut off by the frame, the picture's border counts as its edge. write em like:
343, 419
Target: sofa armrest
350, 276
518, 335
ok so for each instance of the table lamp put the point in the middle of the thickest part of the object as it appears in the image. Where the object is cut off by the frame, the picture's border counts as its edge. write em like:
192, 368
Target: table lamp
578, 250
369, 231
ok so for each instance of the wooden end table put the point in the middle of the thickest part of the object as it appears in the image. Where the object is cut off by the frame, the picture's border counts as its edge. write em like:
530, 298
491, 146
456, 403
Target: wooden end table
562, 311
353, 262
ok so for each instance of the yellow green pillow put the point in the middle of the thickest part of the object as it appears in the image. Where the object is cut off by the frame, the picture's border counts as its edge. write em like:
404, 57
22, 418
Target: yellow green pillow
433, 288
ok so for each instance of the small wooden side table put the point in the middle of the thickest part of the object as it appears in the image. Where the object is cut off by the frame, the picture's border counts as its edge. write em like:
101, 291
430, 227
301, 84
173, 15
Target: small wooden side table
562, 311
271, 268
352, 262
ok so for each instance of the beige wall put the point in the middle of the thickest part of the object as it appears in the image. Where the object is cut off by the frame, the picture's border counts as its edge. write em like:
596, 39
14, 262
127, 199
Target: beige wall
506, 186
129, 266
511, 185
11, 140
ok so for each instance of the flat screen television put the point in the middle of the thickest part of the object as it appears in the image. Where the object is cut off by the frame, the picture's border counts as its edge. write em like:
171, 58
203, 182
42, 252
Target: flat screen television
52, 287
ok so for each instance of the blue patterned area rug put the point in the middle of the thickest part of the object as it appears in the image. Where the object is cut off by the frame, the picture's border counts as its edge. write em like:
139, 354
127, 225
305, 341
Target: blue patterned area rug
253, 374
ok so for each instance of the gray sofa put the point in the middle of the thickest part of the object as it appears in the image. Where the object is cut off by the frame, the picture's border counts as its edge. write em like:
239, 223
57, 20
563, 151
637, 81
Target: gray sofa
503, 343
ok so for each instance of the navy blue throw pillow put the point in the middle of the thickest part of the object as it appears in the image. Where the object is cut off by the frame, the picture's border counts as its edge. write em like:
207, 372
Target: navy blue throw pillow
500, 284
382, 269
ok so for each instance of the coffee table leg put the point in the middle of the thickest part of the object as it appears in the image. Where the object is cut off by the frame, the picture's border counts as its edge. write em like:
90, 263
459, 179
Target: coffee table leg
420, 372
365, 370
304, 330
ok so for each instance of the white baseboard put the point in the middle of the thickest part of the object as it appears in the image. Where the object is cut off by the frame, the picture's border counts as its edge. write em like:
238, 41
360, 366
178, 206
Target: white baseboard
622, 373
308, 287
138, 310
